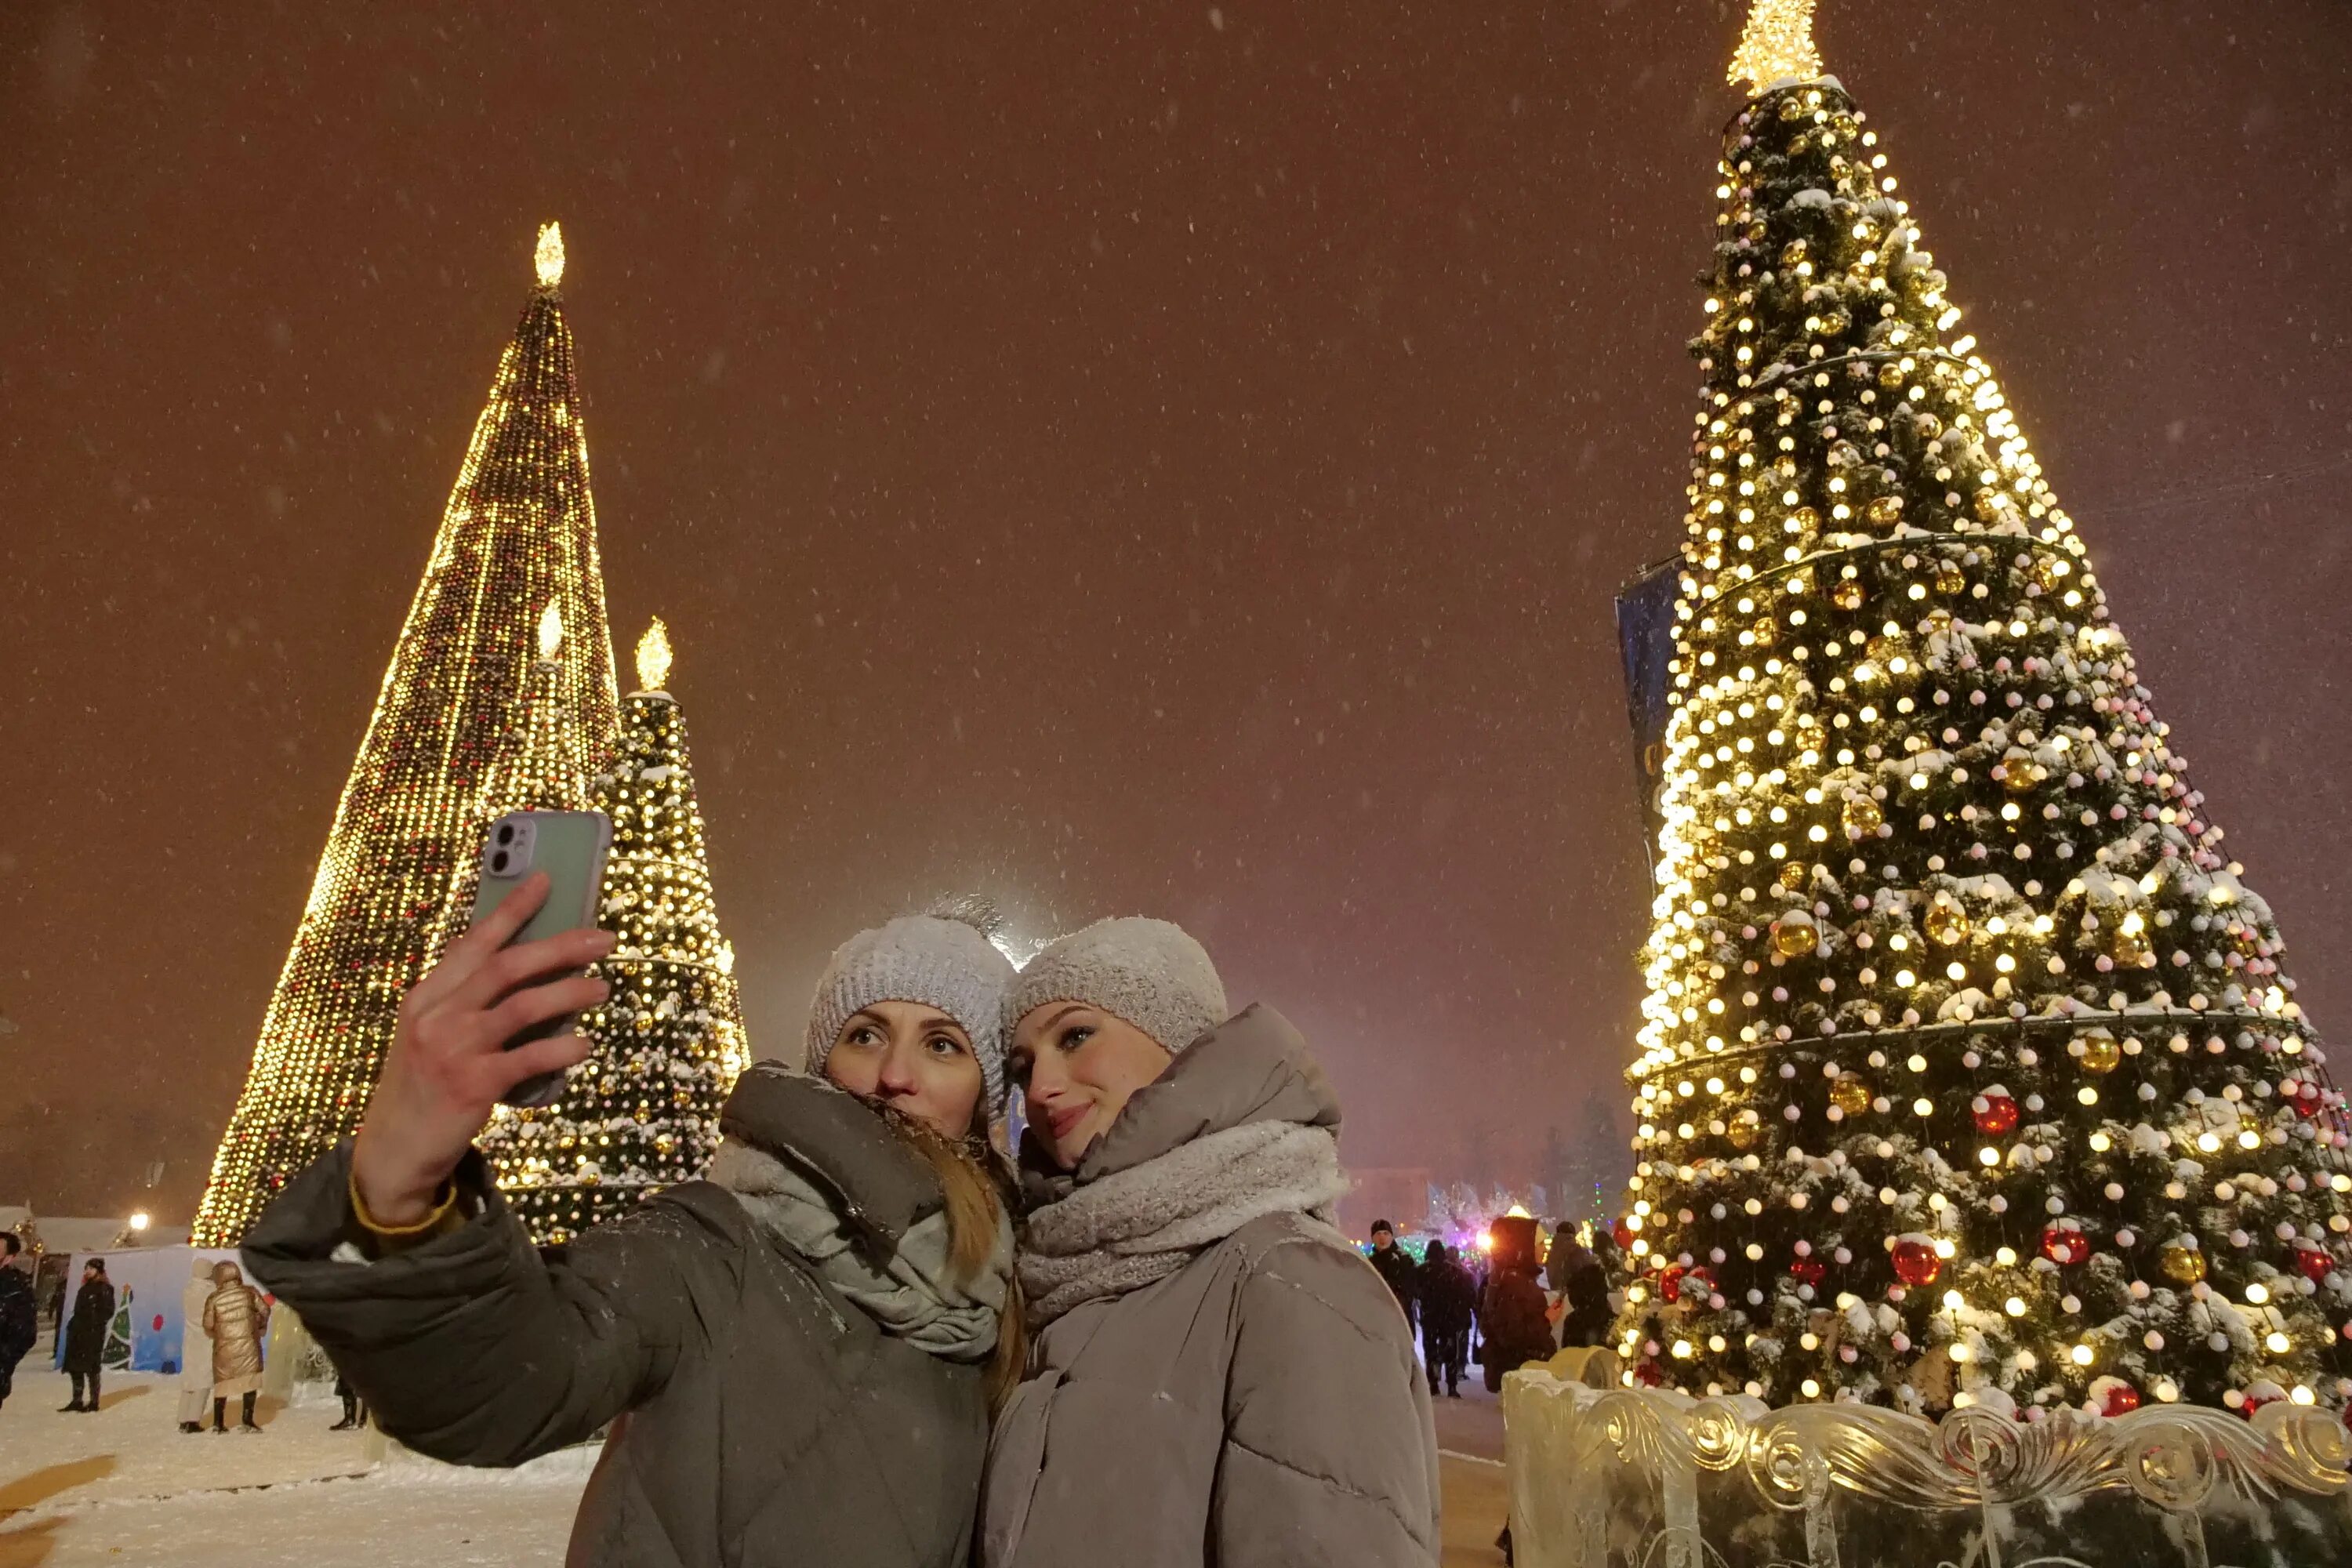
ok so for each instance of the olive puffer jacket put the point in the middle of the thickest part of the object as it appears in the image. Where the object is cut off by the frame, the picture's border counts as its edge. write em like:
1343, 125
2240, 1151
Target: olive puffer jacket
1260, 1405
770, 1420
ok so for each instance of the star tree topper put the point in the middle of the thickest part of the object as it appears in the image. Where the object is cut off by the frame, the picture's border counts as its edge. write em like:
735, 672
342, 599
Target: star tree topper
1777, 46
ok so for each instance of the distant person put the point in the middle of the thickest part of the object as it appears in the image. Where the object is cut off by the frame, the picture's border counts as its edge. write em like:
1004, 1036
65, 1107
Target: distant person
1396, 1268
195, 1346
235, 1318
19, 1314
355, 1408
93, 1309
1512, 1318
1573, 1272
1449, 1301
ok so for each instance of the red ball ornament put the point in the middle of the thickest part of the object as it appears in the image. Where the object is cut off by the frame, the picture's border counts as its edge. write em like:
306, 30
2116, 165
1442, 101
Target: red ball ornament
2313, 1264
1648, 1374
1916, 1263
1808, 1270
1622, 1234
2122, 1399
1996, 1115
1670, 1283
2064, 1245
2307, 1100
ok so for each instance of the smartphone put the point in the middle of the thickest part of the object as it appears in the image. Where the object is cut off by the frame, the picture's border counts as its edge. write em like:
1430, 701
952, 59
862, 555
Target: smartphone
570, 847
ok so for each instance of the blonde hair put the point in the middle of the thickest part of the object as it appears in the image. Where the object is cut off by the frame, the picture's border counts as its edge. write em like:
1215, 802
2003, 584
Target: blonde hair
978, 1189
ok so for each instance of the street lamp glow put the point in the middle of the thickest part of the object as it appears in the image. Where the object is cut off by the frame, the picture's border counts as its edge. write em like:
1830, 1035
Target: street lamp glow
139, 1220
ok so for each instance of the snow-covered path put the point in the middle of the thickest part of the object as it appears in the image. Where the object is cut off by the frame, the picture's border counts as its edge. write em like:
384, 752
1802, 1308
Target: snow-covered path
126, 1487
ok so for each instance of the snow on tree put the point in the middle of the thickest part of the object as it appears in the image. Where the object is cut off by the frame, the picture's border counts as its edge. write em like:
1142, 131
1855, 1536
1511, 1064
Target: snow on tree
1972, 1072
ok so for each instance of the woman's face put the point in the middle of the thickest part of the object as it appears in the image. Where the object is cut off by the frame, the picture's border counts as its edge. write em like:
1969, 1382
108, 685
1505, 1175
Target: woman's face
1077, 1066
912, 1057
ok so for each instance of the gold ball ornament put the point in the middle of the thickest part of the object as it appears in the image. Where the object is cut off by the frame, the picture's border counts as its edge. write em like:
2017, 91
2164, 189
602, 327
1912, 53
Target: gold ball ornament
1851, 1094
2181, 1265
1847, 595
1928, 425
1765, 632
2101, 1054
1890, 376
1950, 579
1792, 253
1794, 939
1746, 1130
2021, 773
1863, 814
1947, 923
2048, 571
1885, 509
1804, 519
1989, 504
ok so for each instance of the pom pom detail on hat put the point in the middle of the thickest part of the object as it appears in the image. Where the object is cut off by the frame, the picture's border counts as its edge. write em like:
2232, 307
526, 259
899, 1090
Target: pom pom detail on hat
1147, 971
941, 962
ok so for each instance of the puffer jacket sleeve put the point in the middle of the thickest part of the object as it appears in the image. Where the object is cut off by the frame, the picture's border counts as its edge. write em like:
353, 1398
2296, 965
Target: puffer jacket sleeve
474, 1347
1330, 1453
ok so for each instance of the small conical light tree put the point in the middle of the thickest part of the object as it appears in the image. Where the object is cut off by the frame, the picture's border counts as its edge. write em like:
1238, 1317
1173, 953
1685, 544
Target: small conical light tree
643, 1112
1970, 1072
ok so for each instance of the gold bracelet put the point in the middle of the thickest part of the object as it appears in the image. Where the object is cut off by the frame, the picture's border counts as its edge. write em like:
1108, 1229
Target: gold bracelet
444, 1215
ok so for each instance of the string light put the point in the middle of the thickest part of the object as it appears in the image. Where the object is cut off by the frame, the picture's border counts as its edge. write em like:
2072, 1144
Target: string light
643, 1112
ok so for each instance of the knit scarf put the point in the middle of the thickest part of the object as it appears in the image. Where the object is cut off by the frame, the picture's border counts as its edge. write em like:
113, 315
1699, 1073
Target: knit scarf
910, 1294
1134, 1227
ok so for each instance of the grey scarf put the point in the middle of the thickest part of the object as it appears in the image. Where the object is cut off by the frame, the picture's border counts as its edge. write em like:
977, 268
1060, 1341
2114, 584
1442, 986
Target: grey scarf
1141, 1225
911, 1295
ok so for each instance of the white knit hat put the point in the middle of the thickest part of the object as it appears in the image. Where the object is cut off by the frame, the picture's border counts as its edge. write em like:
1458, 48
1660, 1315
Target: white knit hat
1147, 972
941, 962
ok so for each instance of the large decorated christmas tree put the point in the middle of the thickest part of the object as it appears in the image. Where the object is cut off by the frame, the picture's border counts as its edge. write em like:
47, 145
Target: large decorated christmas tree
517, 545
1971, 1073
643, 1112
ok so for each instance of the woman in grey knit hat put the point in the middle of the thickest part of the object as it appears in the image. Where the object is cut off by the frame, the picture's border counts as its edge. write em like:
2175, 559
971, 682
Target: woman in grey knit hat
1217, 1376
797, 1355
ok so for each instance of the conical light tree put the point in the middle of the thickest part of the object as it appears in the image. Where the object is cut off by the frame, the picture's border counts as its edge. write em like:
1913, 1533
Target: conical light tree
517, 535
643, 1112
1970, 1072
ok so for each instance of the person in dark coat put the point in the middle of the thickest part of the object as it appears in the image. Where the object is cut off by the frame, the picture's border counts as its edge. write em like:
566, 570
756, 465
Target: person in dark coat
1449, 1301
19, 1318
1575, 1273
801, 1348
1512, 1318
93, 1309
1395, 1268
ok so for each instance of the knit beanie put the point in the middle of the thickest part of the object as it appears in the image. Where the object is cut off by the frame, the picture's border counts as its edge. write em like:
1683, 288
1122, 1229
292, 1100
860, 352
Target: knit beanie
940, 961
1146, 972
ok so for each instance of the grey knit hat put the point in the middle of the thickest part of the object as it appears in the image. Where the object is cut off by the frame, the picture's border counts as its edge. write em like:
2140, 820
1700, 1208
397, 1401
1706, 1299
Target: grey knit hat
941, 962
1147, 972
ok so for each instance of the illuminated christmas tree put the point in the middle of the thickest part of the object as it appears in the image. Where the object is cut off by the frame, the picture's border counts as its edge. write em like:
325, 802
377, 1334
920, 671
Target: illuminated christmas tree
643, 1112
517, 537
1970, 1074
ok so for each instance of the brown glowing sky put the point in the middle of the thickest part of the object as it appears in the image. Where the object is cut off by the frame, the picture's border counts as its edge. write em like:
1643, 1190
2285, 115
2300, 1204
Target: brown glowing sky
1119, 457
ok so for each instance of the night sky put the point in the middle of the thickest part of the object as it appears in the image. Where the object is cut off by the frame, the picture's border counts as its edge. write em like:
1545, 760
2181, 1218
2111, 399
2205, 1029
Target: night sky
1119, 458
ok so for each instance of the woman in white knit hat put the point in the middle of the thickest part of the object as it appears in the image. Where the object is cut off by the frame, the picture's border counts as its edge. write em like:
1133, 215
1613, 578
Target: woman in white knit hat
1217, 1375
798, 1354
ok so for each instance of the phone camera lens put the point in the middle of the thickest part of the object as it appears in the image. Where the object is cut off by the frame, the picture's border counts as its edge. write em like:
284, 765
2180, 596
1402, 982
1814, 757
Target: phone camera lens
499, 863
506, 832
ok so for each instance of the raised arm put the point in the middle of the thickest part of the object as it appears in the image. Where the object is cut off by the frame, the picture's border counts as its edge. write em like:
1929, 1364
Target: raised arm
470, 1346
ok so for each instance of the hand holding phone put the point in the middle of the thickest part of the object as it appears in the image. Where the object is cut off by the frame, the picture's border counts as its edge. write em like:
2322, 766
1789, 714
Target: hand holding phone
568, 847
450, 1063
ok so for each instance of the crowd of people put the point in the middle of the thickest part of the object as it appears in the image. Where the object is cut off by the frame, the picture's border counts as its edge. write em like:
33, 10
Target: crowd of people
224, 1322
1509, 1305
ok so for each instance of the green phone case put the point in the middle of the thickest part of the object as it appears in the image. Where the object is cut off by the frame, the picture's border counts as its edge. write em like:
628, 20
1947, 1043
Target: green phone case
570, 847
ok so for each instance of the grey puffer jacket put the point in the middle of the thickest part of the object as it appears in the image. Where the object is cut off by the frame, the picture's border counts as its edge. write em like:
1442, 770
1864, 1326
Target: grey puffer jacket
1259, 1405
770, 1420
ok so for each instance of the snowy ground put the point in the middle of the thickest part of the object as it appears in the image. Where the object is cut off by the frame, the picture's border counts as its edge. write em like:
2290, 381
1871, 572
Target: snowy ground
126, 1488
